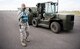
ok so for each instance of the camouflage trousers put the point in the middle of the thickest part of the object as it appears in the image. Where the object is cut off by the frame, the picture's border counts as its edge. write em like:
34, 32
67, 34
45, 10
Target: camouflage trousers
24, 31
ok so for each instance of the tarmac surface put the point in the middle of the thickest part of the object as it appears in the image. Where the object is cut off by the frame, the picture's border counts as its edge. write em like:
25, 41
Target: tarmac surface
40, 38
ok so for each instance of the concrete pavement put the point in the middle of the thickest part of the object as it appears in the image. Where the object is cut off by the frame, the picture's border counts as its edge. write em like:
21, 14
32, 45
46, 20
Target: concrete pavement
41, 38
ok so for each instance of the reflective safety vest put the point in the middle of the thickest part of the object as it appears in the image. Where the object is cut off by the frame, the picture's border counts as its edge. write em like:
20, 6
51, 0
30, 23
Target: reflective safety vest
24, 17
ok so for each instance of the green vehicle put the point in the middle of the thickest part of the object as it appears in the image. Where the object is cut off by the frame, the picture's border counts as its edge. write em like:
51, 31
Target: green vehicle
46, 15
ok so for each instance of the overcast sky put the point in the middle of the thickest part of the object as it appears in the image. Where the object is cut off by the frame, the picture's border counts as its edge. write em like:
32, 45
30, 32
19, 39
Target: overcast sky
63, 4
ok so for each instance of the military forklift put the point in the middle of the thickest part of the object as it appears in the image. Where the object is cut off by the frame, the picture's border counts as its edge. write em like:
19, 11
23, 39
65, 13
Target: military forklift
46, 15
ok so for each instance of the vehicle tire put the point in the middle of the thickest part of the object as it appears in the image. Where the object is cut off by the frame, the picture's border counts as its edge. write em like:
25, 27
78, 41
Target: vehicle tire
34, 23
55, 27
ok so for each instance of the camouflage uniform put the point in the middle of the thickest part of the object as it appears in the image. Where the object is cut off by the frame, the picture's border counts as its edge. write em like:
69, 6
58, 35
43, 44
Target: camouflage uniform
24, 29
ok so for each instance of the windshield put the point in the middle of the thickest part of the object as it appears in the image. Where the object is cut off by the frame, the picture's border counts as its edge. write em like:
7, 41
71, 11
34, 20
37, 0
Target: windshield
50, 8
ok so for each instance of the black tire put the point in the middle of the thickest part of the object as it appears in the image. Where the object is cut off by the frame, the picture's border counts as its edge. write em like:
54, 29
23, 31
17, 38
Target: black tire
34, 23
55, 27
